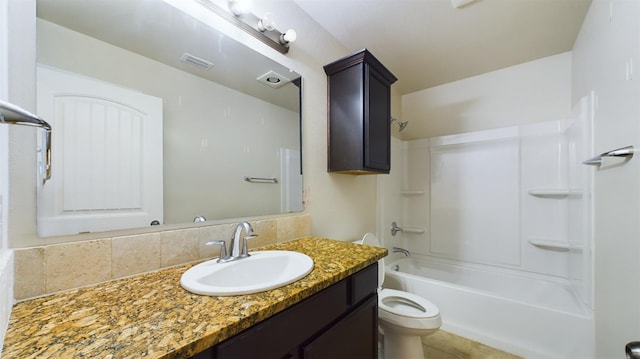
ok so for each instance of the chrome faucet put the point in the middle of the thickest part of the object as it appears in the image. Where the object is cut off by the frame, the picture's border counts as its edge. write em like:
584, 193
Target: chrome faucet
400, 250
235, 251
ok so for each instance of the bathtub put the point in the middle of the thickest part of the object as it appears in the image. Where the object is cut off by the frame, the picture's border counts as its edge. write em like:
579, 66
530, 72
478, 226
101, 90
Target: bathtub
522, 315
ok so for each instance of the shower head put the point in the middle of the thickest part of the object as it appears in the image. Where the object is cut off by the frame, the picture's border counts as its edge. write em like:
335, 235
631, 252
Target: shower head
401, 124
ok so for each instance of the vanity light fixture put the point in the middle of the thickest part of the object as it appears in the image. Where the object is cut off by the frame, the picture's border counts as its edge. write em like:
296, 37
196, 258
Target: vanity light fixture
262, 28
267, 22
289, 36
238, 7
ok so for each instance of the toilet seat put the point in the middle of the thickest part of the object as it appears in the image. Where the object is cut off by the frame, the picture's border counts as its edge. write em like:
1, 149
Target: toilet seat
406, 304
407, 312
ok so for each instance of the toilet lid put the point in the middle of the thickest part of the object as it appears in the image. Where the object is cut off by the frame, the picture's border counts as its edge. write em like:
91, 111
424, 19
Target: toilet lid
371, 240
406, 304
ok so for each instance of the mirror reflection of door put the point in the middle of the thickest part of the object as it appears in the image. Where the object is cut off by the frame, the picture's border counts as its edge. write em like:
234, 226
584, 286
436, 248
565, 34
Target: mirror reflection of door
107, 155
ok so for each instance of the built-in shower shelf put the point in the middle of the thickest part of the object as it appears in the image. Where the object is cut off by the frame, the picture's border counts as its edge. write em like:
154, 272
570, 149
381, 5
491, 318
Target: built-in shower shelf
554, 192
410, 192
555, 245
413, 229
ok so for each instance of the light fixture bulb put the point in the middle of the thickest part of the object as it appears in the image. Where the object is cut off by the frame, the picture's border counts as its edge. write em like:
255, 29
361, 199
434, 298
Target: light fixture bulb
239, 7
289, 36
267, 22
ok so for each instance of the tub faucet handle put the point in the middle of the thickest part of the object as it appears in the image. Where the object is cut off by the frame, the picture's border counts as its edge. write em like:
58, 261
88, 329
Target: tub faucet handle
395, 229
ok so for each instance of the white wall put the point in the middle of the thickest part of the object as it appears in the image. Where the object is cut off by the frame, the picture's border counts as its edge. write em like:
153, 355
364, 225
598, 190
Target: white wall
608, 43
6, 255
535, 91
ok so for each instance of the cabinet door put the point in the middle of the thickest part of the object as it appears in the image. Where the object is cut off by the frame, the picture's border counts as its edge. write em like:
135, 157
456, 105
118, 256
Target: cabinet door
354, 337
280, 336
377, 131
346, 97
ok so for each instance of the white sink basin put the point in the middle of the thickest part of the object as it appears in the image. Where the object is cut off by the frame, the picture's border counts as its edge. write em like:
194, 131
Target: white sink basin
263, 270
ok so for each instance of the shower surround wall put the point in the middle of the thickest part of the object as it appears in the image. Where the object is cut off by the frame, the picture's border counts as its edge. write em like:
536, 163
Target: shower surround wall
500, 199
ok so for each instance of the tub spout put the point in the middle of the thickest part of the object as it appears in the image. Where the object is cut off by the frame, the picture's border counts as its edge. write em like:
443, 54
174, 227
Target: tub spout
400, 250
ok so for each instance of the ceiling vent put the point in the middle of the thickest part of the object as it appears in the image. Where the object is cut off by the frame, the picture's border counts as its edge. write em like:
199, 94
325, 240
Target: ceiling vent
194, 60
460, 3
273, 79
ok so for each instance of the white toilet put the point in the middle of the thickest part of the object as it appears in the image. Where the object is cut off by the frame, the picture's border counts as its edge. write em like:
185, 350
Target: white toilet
403, 317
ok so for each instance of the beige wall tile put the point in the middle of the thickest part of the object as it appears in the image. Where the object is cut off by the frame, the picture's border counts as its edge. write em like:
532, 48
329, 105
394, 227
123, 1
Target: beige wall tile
135, 254
47, 269
29, 272
267, 233
290, 228
177, 247
77, 264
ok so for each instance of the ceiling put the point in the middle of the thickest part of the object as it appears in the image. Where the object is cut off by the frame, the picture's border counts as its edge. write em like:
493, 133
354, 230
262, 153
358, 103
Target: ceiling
426, 43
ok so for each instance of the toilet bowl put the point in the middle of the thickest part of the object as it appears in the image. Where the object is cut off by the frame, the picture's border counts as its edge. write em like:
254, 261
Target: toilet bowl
403, 317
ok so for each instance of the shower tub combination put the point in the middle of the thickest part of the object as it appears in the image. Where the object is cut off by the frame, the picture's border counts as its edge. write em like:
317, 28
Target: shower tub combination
527, 316
498, 223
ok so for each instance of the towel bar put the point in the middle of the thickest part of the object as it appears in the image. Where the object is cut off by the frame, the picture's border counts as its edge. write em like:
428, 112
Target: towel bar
14, 115
261, 180
619, 152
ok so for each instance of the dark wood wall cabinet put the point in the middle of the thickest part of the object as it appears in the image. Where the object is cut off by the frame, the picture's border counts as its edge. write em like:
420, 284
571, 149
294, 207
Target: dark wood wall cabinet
359, 129
339, 322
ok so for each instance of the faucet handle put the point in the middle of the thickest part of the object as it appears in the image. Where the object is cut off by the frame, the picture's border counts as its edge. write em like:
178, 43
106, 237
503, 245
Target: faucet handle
223, 250
245, 251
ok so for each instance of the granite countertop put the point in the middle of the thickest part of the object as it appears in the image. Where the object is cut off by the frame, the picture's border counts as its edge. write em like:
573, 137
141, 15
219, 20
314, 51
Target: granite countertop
152, 316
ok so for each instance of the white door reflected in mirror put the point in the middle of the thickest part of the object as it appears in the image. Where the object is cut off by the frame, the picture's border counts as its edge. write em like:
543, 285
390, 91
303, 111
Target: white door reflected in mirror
107, 151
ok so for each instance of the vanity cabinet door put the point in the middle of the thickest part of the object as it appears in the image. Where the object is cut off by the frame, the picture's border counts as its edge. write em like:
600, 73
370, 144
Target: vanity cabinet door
359, 97
354, 337
281, 335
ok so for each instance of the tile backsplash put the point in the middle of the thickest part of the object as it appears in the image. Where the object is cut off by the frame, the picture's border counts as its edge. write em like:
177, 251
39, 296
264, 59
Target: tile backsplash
47, 269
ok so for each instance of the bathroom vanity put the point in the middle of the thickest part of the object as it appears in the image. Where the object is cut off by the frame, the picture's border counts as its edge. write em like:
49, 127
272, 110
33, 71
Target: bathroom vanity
339, 322
332, 312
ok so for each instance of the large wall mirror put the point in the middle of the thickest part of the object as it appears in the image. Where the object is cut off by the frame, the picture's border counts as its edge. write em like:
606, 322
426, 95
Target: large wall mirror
160, 119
